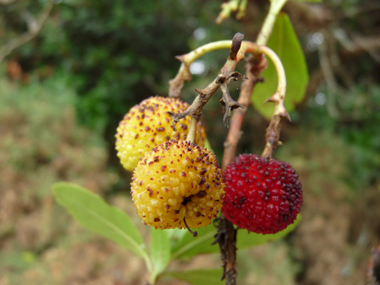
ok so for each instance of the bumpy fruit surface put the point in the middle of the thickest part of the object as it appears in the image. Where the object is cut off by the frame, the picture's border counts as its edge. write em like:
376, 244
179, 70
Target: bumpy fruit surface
148, 124
261, 195
177, 180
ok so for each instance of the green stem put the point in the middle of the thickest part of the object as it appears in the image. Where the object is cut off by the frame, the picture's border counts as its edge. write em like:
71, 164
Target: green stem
192, 129
266, 29
246, 47
148, 263
197, 53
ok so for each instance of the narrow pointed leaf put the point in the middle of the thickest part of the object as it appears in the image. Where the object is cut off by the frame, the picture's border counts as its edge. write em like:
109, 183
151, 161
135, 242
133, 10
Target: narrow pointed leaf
91, 211
284, 42
199, 276
160, 251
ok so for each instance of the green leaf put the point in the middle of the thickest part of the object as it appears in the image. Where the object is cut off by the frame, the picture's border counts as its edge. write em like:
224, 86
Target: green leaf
283, 41
189, 246
247, 239
208, 145
160, 251
91, 211
199, 276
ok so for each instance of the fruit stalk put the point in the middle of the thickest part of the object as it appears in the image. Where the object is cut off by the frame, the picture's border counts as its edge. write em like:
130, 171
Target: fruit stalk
192, 130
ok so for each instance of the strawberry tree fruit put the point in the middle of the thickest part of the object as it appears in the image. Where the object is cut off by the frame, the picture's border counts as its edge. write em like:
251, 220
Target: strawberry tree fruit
177, 185
147, 125
261, 195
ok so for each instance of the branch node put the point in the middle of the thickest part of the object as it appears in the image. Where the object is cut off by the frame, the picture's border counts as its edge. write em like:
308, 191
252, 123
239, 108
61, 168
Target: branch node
236, 43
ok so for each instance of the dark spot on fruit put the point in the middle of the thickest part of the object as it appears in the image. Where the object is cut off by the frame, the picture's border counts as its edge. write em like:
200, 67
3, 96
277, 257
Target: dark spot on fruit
156, 219
203, 180
201, 194
136, 136
147, 128
156, 158
163, 168
241, 200
203, 171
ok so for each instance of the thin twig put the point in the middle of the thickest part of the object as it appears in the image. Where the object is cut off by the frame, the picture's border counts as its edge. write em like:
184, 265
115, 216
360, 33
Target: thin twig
253, 68
34, 27
225, 76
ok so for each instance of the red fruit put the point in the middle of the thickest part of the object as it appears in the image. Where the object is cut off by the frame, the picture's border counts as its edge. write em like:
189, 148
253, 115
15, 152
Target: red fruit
261, 195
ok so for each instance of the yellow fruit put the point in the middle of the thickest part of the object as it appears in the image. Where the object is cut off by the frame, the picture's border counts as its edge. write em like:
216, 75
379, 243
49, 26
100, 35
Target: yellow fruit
177, 181
148, 124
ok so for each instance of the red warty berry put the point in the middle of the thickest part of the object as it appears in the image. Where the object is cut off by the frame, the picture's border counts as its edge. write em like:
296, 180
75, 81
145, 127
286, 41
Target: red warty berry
261, 195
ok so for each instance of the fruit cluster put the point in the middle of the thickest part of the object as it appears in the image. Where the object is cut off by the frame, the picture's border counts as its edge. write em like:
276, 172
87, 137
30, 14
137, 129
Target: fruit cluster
179, 184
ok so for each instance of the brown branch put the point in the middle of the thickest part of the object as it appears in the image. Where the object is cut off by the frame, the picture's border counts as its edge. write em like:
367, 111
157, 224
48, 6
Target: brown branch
225, 76
227, 234
34, 27
253, 69
226, 238
371, 278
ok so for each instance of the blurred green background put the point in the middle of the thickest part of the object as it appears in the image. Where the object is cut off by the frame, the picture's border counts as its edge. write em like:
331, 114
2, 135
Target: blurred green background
64, 90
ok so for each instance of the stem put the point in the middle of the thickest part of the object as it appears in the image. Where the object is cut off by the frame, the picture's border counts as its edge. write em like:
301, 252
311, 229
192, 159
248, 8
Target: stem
192, 130
266, 29
246, 47
253, 69
148, 263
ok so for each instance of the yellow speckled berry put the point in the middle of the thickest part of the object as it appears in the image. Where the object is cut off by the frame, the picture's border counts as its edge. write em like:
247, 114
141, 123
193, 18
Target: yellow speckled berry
177, 181
148, 124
